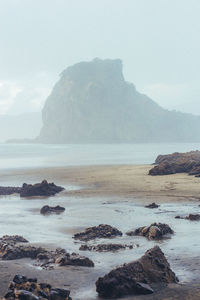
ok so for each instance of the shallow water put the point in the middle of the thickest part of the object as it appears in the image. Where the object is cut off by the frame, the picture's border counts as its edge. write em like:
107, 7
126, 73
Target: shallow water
21, 216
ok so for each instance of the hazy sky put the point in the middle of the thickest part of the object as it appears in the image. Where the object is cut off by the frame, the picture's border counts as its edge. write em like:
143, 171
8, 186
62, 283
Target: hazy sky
158, 41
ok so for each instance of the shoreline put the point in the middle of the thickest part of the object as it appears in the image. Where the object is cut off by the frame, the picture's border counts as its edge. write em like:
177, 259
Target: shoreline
116, 184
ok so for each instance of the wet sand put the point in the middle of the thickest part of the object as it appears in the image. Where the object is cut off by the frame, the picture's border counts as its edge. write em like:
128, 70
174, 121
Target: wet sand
125, 182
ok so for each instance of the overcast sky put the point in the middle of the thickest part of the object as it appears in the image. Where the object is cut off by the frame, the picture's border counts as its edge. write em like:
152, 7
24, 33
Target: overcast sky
158, 41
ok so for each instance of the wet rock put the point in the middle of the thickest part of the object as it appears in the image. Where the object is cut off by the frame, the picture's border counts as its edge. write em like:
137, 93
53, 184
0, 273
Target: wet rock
74, 260
28, 289
105, 247
101, 231
188, 162
47, 210
29, 190
12, 247
40, 189
152, 205
137, 277
153, 232
193, 217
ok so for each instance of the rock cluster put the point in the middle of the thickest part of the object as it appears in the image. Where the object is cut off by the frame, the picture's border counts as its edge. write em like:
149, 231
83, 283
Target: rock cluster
25, 288
153, 232
137, 277
29, 190
47, 210
188, 162
105, 247
100, 231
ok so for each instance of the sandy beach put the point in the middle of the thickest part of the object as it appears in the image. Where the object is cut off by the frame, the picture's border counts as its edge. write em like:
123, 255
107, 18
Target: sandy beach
115, 184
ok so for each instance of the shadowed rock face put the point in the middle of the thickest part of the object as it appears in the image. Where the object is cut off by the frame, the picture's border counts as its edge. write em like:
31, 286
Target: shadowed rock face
188, 162
137, 277
92, 103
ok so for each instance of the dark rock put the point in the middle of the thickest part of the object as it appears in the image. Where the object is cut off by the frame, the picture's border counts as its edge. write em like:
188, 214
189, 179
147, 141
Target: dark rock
136, 277
28, 289
75, 260
154, 231
188, 162
193, 217
13, 239
105, 247
101, 231
47, 210
152, 205
40, 189
9, 190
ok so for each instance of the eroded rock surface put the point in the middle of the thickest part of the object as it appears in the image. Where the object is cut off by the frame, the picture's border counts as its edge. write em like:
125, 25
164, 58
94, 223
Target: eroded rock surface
137, 277
153, 232
101, 231
25, 288
188, 162
47, 210
105, 247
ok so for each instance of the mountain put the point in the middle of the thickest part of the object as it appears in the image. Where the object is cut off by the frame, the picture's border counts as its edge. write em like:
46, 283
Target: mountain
92, 103
20, 126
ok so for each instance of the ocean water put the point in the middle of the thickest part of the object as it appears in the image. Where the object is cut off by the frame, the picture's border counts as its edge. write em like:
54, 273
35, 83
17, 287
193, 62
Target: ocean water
40, 155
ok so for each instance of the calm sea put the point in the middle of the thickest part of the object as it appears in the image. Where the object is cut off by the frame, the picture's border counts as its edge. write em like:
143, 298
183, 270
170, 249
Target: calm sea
37, 155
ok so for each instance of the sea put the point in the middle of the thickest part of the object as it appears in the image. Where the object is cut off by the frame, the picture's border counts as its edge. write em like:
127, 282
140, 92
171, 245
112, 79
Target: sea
22, 216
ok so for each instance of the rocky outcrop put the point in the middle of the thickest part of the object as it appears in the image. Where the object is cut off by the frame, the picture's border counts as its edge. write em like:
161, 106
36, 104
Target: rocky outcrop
105, 247
152, 205
137, 277
155, 231
74, 259
188, 162
25, 288
47, 210
31, 190
101, 231
40, 189
92, 103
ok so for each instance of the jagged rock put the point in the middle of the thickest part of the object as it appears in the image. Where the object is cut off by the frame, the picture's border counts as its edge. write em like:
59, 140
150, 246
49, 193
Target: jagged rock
13, 239
28, 289
47, 210
28, 190
105, 247
152, 205
136, 277
191, 217
40, 189
74, 260
80, 110
188, 162
154, 231
101, 231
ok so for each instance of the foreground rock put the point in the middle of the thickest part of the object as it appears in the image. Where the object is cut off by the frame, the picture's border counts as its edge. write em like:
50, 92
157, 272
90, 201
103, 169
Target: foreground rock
188, 162
101, 231
155, 231
25, 288
105, 247
47, 210
30, 190
191, 217
152, 205
137, 277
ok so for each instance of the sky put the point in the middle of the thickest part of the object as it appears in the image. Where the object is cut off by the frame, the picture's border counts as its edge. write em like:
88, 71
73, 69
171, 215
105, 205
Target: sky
157, 40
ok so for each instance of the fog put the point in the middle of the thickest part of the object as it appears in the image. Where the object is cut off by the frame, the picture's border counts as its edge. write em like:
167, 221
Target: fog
158, 42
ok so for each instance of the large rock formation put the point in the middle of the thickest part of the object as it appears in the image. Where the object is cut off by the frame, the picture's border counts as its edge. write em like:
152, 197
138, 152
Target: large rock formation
92, 103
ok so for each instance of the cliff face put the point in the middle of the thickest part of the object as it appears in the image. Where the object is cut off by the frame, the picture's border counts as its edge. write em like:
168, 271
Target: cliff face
92, 103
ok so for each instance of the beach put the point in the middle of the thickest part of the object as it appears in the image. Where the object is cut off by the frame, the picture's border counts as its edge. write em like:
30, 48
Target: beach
114, 195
